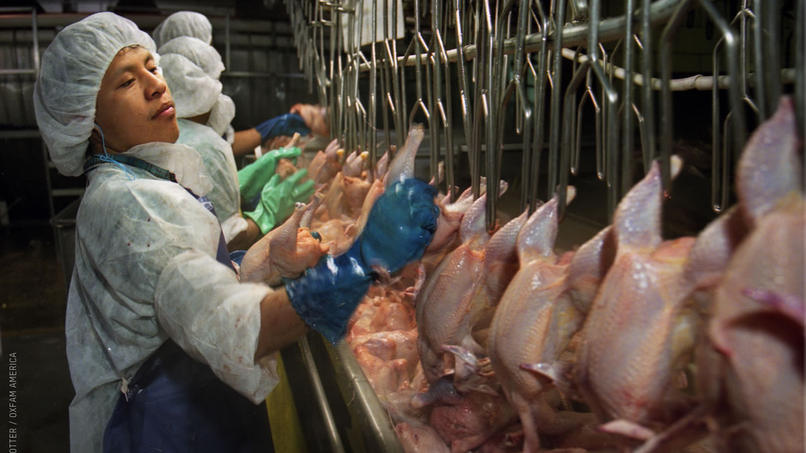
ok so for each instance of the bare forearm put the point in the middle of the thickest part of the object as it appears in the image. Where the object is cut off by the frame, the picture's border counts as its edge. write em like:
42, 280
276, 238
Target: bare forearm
279, 324
245, 141
245, 238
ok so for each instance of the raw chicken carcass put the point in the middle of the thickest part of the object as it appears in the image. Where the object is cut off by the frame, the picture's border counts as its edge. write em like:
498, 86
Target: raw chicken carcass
380, 311
533, 323
419, 438
354, 164
761, 348
444, 302
640, 331
446, 236
382, 166
402, 166
284, 252
462, 295
389, 346
375, 190
285, 168
385, 376
335, 233
466, 424
355, 192
450, 217
325, 164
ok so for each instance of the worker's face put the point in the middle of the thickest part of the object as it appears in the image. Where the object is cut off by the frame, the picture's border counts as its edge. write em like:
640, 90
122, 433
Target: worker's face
134, 105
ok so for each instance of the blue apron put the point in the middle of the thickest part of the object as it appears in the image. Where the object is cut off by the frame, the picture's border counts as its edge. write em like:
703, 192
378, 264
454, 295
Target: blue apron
176, 404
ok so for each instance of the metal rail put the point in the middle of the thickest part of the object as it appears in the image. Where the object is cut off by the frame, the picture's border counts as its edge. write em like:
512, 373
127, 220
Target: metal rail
508, 62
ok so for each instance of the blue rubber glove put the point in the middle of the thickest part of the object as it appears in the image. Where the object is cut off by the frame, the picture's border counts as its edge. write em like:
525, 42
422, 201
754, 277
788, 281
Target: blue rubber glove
400, 227
404, 216
286, 124
327, 294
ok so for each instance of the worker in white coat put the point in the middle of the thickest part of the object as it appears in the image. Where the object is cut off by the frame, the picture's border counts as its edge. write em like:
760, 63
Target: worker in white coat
196, 25
192, 68
168, 350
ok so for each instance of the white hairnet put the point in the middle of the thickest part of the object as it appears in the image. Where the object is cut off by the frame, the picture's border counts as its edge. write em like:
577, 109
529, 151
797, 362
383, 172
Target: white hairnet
200, 53
221, 114
184, 23
194, 92
69, 79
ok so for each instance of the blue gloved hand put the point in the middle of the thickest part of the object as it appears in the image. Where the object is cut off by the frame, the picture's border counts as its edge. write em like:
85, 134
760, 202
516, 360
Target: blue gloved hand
327, 294
286, 124
400, 227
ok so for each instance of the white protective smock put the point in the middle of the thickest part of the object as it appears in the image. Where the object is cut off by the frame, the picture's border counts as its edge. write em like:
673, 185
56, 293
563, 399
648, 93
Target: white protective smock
145, 271
219, 164
191, 69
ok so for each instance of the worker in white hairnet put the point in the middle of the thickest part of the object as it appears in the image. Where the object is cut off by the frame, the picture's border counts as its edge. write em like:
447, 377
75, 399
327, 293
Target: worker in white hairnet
196, 25
191, 69
168, 350
184, 23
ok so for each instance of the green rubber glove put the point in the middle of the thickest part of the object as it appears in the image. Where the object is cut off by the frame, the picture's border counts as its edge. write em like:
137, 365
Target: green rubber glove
254, 176
278, 198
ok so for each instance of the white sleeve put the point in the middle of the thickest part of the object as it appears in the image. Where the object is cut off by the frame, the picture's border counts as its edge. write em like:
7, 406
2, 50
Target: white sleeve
216, 319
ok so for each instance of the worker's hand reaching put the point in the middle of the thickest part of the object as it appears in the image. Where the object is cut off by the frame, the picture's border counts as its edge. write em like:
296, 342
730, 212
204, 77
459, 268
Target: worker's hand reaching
286, 124
278, 198
254, 177
326, 295
400, 225
399, 228
315, 117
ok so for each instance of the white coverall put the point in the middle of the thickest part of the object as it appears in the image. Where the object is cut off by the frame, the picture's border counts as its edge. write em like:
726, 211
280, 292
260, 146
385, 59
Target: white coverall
146, 270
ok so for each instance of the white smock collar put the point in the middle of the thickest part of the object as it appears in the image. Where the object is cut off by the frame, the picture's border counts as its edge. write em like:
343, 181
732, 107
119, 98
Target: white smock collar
181, 160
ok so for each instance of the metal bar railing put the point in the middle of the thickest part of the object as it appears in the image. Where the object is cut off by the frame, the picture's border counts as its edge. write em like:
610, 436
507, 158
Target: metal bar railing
515, 49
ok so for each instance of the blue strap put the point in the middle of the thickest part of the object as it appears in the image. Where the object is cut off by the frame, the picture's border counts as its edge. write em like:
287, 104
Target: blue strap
96, 160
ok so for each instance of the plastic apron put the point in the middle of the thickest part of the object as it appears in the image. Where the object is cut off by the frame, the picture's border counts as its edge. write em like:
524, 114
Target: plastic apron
175, 403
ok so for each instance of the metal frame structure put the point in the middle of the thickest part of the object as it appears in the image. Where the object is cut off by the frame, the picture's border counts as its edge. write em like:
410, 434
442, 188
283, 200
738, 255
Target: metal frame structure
498, 54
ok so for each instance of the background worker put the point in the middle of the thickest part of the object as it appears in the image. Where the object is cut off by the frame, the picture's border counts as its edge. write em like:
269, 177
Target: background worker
192, 68
196, 25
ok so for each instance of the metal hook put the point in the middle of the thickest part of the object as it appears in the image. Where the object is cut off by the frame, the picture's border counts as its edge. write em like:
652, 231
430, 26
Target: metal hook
540, 76
738, 121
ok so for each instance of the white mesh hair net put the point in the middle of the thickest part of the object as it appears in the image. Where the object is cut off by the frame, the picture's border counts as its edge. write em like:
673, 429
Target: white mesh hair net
221, 114
194, 92
184, 23
69, 79
200, 53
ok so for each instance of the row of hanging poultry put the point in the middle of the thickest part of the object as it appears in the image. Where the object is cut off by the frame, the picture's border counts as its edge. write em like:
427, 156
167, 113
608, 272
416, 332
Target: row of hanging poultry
494, 342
